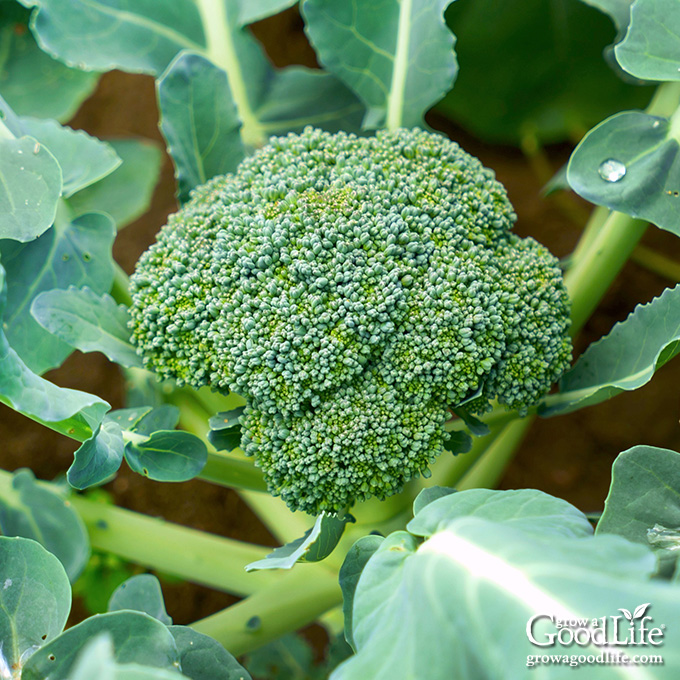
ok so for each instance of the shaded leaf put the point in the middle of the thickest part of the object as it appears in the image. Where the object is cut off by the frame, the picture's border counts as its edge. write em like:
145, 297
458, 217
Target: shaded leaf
203, 658
69, 411
163, 417
427, 496
458, 442
475, 425
88, 322
137, 638
631, 163
126, 193
141, 593
74, 253
199, 121
256, 10
644, 493
225, 429
623, 360
396, 55
651, 48
167, 456
98, 458
33, 83
317, 543
35, 597
83, 159
127, 418
355, 561
38, 513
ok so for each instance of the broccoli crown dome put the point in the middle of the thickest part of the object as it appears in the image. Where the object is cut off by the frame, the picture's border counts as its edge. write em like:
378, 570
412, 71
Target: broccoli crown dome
351, 289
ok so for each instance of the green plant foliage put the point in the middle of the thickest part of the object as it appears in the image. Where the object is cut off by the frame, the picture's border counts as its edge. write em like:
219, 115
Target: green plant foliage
98, 458
84, 160
625, 359
141, 593
136, 637
618, 10
355, 561
65, 410
35, 598
457, 604
317, 544
644, 494
254, 10
199, 121
72, 253
32, 83
34, 511
651, 48
202, 658
225, 429
532, 69
125, 194
87, 321
645, 149
396, 55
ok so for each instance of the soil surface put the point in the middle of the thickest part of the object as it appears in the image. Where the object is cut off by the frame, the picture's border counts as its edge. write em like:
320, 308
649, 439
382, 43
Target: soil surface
569, 456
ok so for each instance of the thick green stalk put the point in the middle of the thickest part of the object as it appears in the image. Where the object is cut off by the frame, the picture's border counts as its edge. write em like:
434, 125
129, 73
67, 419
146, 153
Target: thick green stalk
189, 554
296, 599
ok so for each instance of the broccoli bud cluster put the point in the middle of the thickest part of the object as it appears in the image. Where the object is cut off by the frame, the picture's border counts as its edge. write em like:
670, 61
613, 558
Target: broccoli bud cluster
351, 289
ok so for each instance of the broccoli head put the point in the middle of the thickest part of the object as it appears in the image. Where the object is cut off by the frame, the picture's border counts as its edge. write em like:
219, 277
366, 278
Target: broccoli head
352, 289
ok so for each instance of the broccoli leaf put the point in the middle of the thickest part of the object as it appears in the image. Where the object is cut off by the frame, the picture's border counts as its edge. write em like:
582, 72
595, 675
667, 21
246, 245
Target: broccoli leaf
73, 252
317, 543
33, 83
126, 193
35, 511
136, 637
88, 322
651, 48
644, 493
35, 598
84, 160
625, 359
141, 593
396, 55
71, 412
631, 163
98, 458
255, 10
199, 121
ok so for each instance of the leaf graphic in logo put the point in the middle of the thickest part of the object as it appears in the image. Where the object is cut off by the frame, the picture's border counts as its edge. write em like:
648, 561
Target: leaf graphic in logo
640, 611
627, 614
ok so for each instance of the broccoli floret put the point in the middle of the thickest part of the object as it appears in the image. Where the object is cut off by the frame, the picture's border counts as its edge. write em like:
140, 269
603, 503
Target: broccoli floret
352, 289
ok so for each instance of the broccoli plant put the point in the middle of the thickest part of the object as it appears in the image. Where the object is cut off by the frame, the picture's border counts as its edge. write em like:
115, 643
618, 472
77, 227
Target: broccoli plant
339, 323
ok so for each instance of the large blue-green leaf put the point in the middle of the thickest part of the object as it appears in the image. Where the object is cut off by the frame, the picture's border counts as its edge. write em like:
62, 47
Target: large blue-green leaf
37, 512
644, 500
141, 593
534, 511
651, 48
74, 413
76, 252
30, 186
551, 82
126, 193
355, 561
254, 10
316, 544
133, 35
623, 360
631, 163
88, 322
98, 458
396, 55
199, 121
203, 658
32, 83
136, 637
167, 456
84, 160
35, 598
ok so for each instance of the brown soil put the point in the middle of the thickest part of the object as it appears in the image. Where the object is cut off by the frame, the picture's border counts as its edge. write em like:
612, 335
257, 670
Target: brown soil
569, 456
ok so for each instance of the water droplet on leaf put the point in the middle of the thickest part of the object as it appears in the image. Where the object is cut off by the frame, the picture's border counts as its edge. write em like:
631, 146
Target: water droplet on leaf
612, 170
